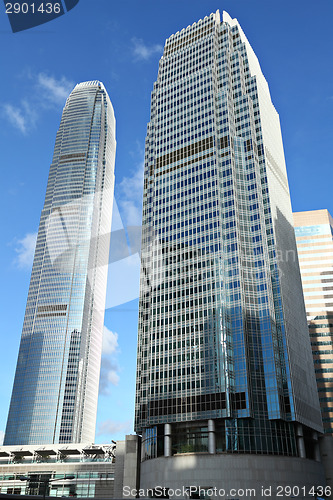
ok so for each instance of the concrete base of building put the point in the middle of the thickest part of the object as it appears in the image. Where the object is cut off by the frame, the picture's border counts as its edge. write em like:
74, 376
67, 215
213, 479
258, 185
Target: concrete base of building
127, 466
326, 451
232, 476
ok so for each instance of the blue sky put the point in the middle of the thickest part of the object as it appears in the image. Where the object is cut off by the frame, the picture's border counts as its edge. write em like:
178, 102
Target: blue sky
120, 44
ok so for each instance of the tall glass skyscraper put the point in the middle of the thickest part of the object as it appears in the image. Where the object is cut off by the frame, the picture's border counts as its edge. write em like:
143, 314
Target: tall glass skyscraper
55, 391
224, 359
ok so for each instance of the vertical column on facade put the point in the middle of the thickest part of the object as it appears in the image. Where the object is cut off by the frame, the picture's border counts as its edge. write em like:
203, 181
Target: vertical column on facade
167, 440
300, 441
211, 437
316, 447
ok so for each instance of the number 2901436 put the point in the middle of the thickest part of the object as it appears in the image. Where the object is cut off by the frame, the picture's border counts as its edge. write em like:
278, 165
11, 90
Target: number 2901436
32, 8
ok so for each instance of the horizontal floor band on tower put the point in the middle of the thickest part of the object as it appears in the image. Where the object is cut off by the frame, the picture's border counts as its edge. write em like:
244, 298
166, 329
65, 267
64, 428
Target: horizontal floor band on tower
185, 164
197, 403
184, 152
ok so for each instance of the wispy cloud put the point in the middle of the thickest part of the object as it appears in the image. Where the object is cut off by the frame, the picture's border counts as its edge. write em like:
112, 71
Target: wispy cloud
15, 117
126, 273
2, 435
143, 51
112, 427
44, 92
109, 375
23, 116
25, 249
110, 341
130, 190
54, 90
109, 367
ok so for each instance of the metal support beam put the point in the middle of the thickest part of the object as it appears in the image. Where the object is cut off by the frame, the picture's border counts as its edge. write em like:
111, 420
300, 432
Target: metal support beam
211, 437
167, 440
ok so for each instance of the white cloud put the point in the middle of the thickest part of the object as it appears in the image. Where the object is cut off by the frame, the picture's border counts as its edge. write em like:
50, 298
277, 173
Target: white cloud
54, 90
45, 91
144, 52
30, 113
132, 187
109, 375
125, 274
16, 117
22, 117
124, 264
25, 251
131, 212
110, 341
109, 366
112, 427
2, 435
129, 196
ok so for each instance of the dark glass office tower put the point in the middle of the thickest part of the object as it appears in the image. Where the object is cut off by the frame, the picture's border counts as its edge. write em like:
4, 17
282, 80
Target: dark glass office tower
225, 379
55, 392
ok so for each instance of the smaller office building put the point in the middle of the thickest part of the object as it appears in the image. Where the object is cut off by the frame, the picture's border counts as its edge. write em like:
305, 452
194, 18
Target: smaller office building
76, 470
314, 238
